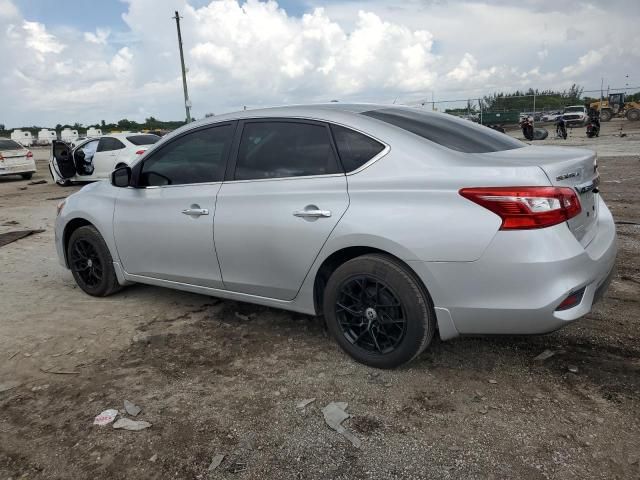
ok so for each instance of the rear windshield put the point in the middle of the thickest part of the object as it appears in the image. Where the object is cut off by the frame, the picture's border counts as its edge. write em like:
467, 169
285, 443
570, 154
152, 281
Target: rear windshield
446, 130
147, 139
6, 144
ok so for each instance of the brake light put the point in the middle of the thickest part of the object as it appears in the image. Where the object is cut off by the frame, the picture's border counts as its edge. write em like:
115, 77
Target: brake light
140, 152
523, 208
29, 154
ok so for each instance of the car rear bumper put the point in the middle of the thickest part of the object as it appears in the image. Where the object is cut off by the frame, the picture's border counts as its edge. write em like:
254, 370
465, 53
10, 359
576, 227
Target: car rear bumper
17, 169
522, 277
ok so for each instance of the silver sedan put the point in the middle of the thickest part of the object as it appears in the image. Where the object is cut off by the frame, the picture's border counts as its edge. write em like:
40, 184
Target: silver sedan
391, 222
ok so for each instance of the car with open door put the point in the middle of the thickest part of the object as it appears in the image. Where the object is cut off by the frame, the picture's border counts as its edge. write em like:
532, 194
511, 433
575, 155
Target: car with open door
391, 222
95, 158
15, 159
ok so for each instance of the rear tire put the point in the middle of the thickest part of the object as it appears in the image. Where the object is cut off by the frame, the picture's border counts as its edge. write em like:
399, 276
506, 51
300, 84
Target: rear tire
605, 115
378, 311
26, 176
91, 263
633, 115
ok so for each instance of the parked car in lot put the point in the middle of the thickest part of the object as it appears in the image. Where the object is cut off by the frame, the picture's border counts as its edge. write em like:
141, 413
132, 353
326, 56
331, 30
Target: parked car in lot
551, 117
15, 159
390, 221
95, 158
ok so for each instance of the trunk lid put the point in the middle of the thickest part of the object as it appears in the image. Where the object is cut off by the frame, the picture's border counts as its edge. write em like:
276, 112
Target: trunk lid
565, 167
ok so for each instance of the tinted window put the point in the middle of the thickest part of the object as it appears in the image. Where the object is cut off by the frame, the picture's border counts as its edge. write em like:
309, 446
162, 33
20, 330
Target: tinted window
9, 145
196, 157
108, 144
446, 130
354, 148
146, 139
284, 149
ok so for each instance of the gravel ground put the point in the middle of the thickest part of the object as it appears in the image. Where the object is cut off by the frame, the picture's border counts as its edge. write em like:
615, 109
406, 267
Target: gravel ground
219, 377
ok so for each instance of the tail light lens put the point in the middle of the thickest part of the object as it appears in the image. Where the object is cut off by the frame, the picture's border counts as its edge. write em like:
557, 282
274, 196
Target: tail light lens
523, 208
29, 154
572, 300
140, 152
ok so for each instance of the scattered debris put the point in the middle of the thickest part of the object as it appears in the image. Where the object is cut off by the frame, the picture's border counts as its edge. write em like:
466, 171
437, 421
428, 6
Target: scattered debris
37, 182
153, 458
10, 237
59, 372
237, 467
483, 410
334, 414
244, 318
133, 425
545, 355
22, 188
304, 403
131, 408
106, 417
215, 462
492, 381
6, 386
56, 198
572, 369
9, 223
13, 354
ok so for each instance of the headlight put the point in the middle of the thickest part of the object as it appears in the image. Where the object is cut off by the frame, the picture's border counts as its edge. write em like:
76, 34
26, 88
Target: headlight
59, 208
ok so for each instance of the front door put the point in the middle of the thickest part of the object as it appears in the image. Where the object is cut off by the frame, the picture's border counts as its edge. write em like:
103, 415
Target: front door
285, 194
164, 226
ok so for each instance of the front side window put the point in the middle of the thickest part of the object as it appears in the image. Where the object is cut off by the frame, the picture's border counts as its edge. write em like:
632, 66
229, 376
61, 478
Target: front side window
108, 144
354, 148
284, 149
446, 130
197, 157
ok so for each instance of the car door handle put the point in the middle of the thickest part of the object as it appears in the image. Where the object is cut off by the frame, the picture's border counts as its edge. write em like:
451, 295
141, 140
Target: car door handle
312, 213
195, 212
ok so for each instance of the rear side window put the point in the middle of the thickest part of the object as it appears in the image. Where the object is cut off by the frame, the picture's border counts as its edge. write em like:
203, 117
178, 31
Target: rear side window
354, 148
284, 149
197, 157
446, 130
107, 144
9, 145
146, 139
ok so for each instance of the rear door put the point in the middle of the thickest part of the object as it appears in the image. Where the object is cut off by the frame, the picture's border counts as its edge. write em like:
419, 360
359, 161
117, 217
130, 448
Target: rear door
106, 157
285, 193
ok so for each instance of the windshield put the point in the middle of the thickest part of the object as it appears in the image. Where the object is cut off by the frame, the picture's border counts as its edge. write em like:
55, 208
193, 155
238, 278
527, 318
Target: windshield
446, 130
6, 144
147, 139
574, 109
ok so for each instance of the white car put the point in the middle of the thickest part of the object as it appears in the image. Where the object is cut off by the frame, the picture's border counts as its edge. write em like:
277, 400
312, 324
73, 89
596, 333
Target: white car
95, 158
15, 159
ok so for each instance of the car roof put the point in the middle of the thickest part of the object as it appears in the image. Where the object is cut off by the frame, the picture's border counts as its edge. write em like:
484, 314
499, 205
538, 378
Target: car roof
123, 135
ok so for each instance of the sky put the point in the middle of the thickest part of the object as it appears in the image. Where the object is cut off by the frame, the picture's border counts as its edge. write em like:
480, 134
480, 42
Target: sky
85, 61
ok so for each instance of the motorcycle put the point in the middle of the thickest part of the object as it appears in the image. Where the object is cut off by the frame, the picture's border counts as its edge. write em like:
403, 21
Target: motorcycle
593, 127
527, 128
561, 128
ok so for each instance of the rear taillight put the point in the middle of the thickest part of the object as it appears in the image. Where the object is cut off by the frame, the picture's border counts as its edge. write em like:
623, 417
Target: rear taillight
527, 207
140, 152
29, 154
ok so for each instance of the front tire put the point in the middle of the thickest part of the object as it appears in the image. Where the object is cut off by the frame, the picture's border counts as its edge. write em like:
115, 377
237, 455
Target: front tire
378, 311
26, 176
91, 263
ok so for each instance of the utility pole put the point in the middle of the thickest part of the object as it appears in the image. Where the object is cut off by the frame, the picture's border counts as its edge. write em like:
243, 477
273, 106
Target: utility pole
187, 102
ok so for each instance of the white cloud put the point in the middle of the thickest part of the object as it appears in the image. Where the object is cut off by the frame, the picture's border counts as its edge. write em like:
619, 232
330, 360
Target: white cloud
255, 53
99, 37
591, 59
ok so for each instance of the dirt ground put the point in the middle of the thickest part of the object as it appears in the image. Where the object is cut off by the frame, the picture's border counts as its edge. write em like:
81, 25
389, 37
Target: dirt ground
220, 377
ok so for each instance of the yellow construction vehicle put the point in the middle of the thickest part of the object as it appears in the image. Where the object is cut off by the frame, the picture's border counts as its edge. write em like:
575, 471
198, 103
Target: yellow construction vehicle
615, 106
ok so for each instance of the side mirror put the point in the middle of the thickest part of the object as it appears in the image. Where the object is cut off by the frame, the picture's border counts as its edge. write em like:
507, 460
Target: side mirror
121, 177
